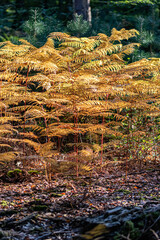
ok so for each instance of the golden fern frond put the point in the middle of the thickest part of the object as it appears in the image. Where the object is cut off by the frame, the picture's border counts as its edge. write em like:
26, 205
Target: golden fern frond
3, 60
86, 168
35, 128
49, 43
7, 129
114, 67
111, 144
3, 145
60, 129
144, 66
129, 48
143, 105
59, 35
145, 87
10, 50
3, 43
66, 51
48, 67
108, 50
87, 79
122, 34
91, 44
33, 144
5, 119
2, 106
117, 57
22, 108
46, 149
34, 113
99, 129
27, 45
4, 132
34, 64
52, 102
12, 77
103, 37
80, 52
23, 62
81, 59
29, 135
24, 41
7, 156
46, 53
73, 44
38, 78
93, 64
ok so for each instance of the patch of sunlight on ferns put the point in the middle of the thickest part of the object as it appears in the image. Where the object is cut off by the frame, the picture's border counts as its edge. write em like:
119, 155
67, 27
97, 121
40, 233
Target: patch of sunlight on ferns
80, 90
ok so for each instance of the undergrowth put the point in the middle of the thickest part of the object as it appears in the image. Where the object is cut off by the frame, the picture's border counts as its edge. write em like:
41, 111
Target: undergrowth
78, 108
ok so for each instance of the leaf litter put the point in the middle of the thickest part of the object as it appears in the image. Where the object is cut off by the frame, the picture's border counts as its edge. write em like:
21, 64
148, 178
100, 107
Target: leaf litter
58, 209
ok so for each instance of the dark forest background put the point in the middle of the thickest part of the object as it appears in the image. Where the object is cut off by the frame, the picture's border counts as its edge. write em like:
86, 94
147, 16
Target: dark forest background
34, 20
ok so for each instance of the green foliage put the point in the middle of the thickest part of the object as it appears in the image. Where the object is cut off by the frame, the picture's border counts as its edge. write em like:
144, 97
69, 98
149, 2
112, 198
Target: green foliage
130, 230
13, 173
38, 20
78, 27
7, 15
13, 39
33, 172
34, 26
39, 207
141, 15
39, 25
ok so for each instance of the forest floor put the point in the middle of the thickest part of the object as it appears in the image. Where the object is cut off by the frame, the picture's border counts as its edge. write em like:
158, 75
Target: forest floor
36, 209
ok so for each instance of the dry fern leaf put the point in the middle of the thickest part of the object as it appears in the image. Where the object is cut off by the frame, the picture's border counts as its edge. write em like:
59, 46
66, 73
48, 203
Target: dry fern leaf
108, 50
122, 34
7, 157
73, 44
93, 64
59, 35
5, 119
28, 135
48, 67
3, 145
34, 113
10, 50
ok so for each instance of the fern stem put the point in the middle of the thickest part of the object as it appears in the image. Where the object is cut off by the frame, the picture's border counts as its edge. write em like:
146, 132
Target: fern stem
24, 126
77, 170
102, 146
102, 138
0, 92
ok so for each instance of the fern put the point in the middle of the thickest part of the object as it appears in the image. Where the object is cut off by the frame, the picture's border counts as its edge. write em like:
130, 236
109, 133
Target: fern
81, 94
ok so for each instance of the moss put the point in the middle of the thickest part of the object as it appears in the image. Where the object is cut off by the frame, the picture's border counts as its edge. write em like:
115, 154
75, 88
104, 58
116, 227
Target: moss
33, 172
125, 191
129, 225
54, 194
14, 172
156, 214
96, 232
39, 207
129, 228
140, 224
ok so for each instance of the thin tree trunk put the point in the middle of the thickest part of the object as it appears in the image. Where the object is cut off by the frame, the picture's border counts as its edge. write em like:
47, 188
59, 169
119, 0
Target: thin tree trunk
82, 7
45, 4
60, 4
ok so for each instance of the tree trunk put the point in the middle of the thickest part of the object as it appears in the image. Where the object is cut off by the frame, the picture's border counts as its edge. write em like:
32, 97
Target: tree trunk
82, 7
60, 4
45, 4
